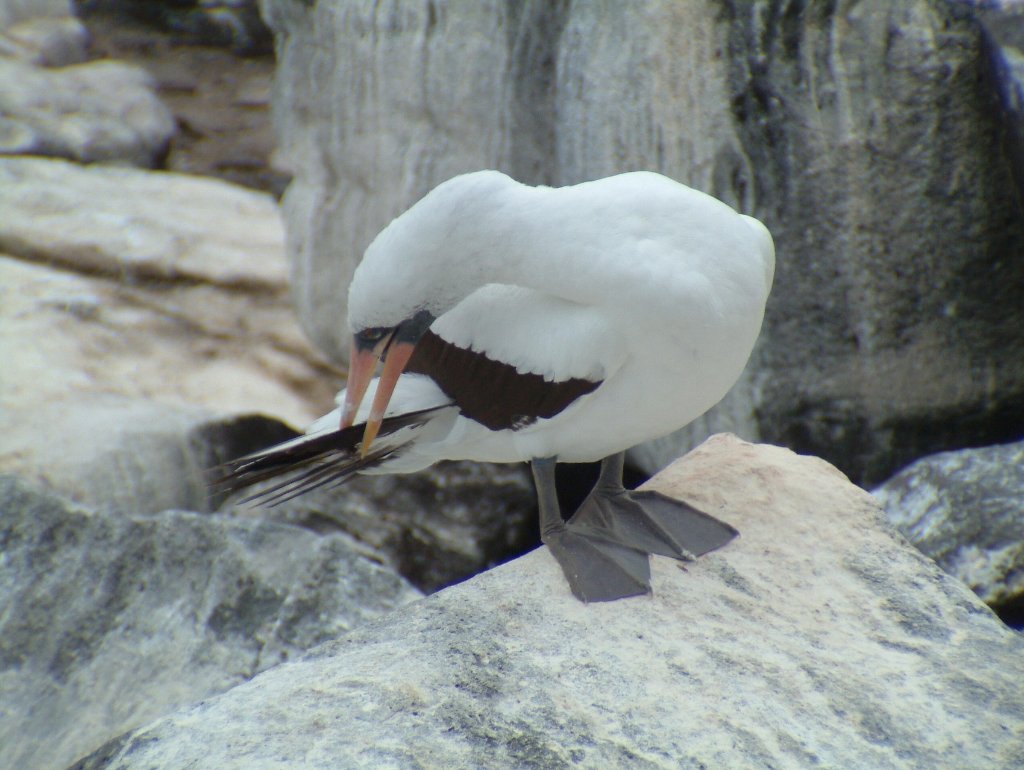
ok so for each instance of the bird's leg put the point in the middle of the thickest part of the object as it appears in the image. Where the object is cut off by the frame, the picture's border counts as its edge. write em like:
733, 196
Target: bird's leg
596, 568
647, 521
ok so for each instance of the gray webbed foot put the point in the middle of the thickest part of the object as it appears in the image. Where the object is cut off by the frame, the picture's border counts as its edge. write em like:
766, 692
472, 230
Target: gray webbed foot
603, 549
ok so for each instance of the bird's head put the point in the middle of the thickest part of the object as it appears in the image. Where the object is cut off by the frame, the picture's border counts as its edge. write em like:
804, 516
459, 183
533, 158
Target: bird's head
419, 267
394, 346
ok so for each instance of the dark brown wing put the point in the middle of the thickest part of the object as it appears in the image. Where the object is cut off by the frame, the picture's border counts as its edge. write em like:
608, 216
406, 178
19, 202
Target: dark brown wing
492, 393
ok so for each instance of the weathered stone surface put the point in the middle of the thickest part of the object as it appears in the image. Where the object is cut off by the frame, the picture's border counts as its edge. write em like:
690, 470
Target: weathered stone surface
140, 225
866, 137
965, 509
436, 527
220, 100
107, 622
815, 639
147, 285
97, 111
47, 41
875, 142
127, 455
233, 23
16, 11
1003, 24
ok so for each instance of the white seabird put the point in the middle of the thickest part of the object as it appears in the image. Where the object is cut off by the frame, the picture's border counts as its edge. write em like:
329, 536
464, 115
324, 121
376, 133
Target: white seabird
545, 325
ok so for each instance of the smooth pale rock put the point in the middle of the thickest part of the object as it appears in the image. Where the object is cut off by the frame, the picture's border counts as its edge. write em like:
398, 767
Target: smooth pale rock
965, 509
127, 455
436, 527
169, 287
866, 138
65, 336
140, 225
817, 638
107, 622
97, 111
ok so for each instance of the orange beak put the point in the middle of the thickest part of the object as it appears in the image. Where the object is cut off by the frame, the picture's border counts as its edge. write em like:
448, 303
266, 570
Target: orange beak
361, 365
397, 356
396, 346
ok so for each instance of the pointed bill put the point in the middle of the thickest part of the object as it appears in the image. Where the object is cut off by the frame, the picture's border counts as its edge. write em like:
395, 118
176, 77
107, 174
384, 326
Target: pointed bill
361, 366
398, 354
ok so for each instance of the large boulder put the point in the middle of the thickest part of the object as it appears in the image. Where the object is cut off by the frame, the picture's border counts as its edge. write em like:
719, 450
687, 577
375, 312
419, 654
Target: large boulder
965, 510
110, 621
817, 638
867, 138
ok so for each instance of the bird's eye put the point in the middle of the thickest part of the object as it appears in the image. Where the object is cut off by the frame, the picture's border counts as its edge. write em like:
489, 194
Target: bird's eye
372, 335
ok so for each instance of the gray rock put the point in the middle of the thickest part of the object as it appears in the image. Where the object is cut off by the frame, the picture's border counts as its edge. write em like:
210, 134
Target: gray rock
436, 527
16, 11
107, 622
141, 225
123, 455
233, 23
965, 509
47, 41
865, 137
876, 150
98, 111
1003, 23
361, 153
815, 639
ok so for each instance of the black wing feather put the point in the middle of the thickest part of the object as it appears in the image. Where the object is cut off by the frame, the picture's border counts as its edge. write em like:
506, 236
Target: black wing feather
326, 458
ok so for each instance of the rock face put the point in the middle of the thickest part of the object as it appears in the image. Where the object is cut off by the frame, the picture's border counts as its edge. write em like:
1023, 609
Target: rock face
107, 622
964, 509
867, 138
875, 137
815, 639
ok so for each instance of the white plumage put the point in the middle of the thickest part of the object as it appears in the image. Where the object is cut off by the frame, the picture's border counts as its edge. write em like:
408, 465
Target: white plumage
636, 280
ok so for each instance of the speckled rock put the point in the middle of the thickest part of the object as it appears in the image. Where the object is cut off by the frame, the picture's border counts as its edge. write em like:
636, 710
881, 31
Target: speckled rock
817, 638
435, 527
107, 622
965, 509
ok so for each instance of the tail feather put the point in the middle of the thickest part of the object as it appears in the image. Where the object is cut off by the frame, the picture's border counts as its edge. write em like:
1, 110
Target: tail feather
312, 461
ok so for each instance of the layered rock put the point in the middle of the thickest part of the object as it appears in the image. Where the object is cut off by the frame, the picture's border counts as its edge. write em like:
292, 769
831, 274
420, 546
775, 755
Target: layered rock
963, 509
149, 263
